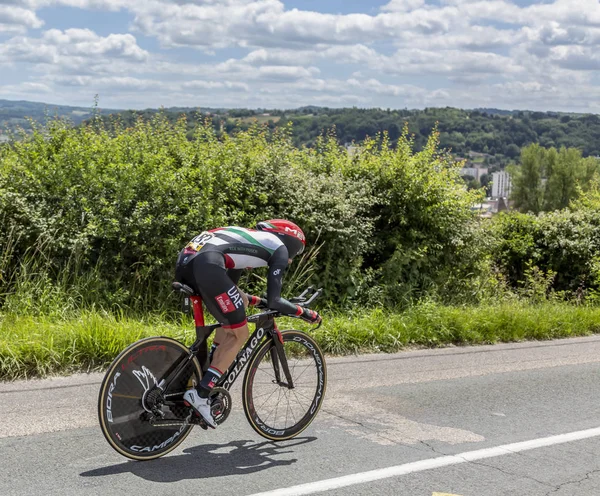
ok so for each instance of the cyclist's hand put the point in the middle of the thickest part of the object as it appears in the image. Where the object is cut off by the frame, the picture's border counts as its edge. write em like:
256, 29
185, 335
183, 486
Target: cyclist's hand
310, 316
256, 301
262, 304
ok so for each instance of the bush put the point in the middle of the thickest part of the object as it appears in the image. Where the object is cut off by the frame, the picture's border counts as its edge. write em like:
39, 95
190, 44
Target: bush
564, 244
424, 225
107, 209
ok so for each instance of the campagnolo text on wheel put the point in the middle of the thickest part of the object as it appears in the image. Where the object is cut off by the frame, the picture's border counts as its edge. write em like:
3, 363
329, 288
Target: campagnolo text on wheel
157, 389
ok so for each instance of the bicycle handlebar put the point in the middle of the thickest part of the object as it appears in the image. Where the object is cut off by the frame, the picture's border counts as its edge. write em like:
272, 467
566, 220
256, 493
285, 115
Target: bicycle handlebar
257, 301
301, 298
313, 297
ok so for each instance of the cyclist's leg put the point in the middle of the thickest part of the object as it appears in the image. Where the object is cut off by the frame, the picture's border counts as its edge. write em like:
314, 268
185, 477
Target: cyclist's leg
231, 340
220, 334
224, 301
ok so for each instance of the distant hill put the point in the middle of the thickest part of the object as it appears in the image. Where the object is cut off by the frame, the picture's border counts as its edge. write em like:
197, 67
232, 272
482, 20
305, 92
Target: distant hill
496, 135
488, 137
16, 114
495, 111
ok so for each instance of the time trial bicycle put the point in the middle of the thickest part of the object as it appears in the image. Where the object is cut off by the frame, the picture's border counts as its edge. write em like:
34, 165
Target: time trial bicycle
140, 406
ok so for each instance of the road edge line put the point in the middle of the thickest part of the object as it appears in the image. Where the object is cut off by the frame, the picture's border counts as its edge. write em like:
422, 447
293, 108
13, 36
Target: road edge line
428, 464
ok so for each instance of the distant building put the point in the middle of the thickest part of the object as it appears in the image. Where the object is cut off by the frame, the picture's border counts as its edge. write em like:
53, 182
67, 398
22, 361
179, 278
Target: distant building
490, 207
501, 185
475, 172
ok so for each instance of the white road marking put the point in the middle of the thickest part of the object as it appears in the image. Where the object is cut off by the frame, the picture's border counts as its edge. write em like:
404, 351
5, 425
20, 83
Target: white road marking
442, 461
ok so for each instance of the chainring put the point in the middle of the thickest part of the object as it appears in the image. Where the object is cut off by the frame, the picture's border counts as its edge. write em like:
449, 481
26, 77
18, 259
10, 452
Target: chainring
220, 401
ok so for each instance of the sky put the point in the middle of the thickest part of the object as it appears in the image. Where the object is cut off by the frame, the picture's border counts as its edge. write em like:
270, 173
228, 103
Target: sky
536, 55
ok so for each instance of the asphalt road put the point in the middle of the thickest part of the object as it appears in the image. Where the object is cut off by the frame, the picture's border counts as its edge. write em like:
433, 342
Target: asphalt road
407, 414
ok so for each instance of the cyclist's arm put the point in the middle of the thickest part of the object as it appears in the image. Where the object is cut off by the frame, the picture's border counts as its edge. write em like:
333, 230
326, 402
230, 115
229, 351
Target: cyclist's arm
277, 266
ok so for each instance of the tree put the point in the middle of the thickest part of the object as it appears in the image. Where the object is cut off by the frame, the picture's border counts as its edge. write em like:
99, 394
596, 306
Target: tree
486, 183
527, 180
471, 182
551, 179
513, 151
565, 170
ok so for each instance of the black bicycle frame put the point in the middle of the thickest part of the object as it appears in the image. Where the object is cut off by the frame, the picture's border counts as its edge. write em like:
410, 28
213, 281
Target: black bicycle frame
265, 327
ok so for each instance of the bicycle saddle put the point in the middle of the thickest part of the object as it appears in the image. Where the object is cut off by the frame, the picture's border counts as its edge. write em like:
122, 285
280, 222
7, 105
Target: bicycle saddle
177, 286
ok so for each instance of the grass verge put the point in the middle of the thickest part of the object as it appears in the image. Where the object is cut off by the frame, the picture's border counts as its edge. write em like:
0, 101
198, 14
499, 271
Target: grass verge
38, 346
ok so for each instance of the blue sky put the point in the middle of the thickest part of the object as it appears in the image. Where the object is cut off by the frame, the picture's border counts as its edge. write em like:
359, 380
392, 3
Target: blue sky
519, 54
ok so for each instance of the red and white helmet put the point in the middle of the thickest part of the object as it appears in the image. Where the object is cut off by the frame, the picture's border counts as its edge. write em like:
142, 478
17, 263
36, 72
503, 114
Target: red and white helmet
291, 235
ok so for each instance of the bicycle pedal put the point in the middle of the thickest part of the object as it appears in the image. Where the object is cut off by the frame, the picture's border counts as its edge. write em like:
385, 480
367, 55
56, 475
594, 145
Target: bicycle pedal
198, 420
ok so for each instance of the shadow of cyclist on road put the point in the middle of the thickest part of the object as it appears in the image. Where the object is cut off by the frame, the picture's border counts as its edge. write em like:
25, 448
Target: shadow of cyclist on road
208, 460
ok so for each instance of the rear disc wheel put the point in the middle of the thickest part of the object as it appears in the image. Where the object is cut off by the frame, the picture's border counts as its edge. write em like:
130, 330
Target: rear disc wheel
131, 398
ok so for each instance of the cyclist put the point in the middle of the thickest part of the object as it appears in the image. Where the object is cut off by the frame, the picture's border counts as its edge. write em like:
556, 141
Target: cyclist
212, 263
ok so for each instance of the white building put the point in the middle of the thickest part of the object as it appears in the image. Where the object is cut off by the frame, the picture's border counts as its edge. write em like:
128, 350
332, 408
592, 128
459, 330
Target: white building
501, 185
475, 172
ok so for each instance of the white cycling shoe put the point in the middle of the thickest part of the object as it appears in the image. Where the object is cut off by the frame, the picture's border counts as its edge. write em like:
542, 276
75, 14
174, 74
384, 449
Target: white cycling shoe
200, 405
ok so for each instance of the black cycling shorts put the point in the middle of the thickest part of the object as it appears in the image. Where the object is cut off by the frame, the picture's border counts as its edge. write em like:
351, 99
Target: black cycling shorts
205, 272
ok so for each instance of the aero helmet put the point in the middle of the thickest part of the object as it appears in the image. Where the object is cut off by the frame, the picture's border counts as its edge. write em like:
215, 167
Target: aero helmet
288, 232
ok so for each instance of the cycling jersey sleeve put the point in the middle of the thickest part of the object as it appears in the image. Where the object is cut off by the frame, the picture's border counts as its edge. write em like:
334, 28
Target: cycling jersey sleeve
277, 266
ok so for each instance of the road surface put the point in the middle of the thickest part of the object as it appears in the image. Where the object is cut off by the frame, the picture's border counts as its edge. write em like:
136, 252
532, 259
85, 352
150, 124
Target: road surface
518, 419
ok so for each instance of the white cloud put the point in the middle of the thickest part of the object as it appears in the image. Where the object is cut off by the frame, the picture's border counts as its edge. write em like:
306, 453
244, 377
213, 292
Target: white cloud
112, 83
576, 58
266, 23
85, 42
569, 12
375, 86
466, 52
81, 4
286, 72
403, 5
15, 19
212, 85
72, 50
279, 56
27, 88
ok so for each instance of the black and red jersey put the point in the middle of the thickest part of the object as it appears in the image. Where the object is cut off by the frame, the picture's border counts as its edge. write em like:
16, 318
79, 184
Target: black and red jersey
247, 249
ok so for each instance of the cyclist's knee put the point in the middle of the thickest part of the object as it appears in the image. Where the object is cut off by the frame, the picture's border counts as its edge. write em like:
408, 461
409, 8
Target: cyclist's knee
239, 334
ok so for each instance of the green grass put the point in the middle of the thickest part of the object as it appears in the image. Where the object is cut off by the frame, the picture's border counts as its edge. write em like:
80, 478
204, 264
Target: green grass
434, 325
39, 346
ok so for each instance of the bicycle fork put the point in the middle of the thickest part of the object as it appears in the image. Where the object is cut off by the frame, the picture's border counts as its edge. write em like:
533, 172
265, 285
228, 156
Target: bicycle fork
278, 357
